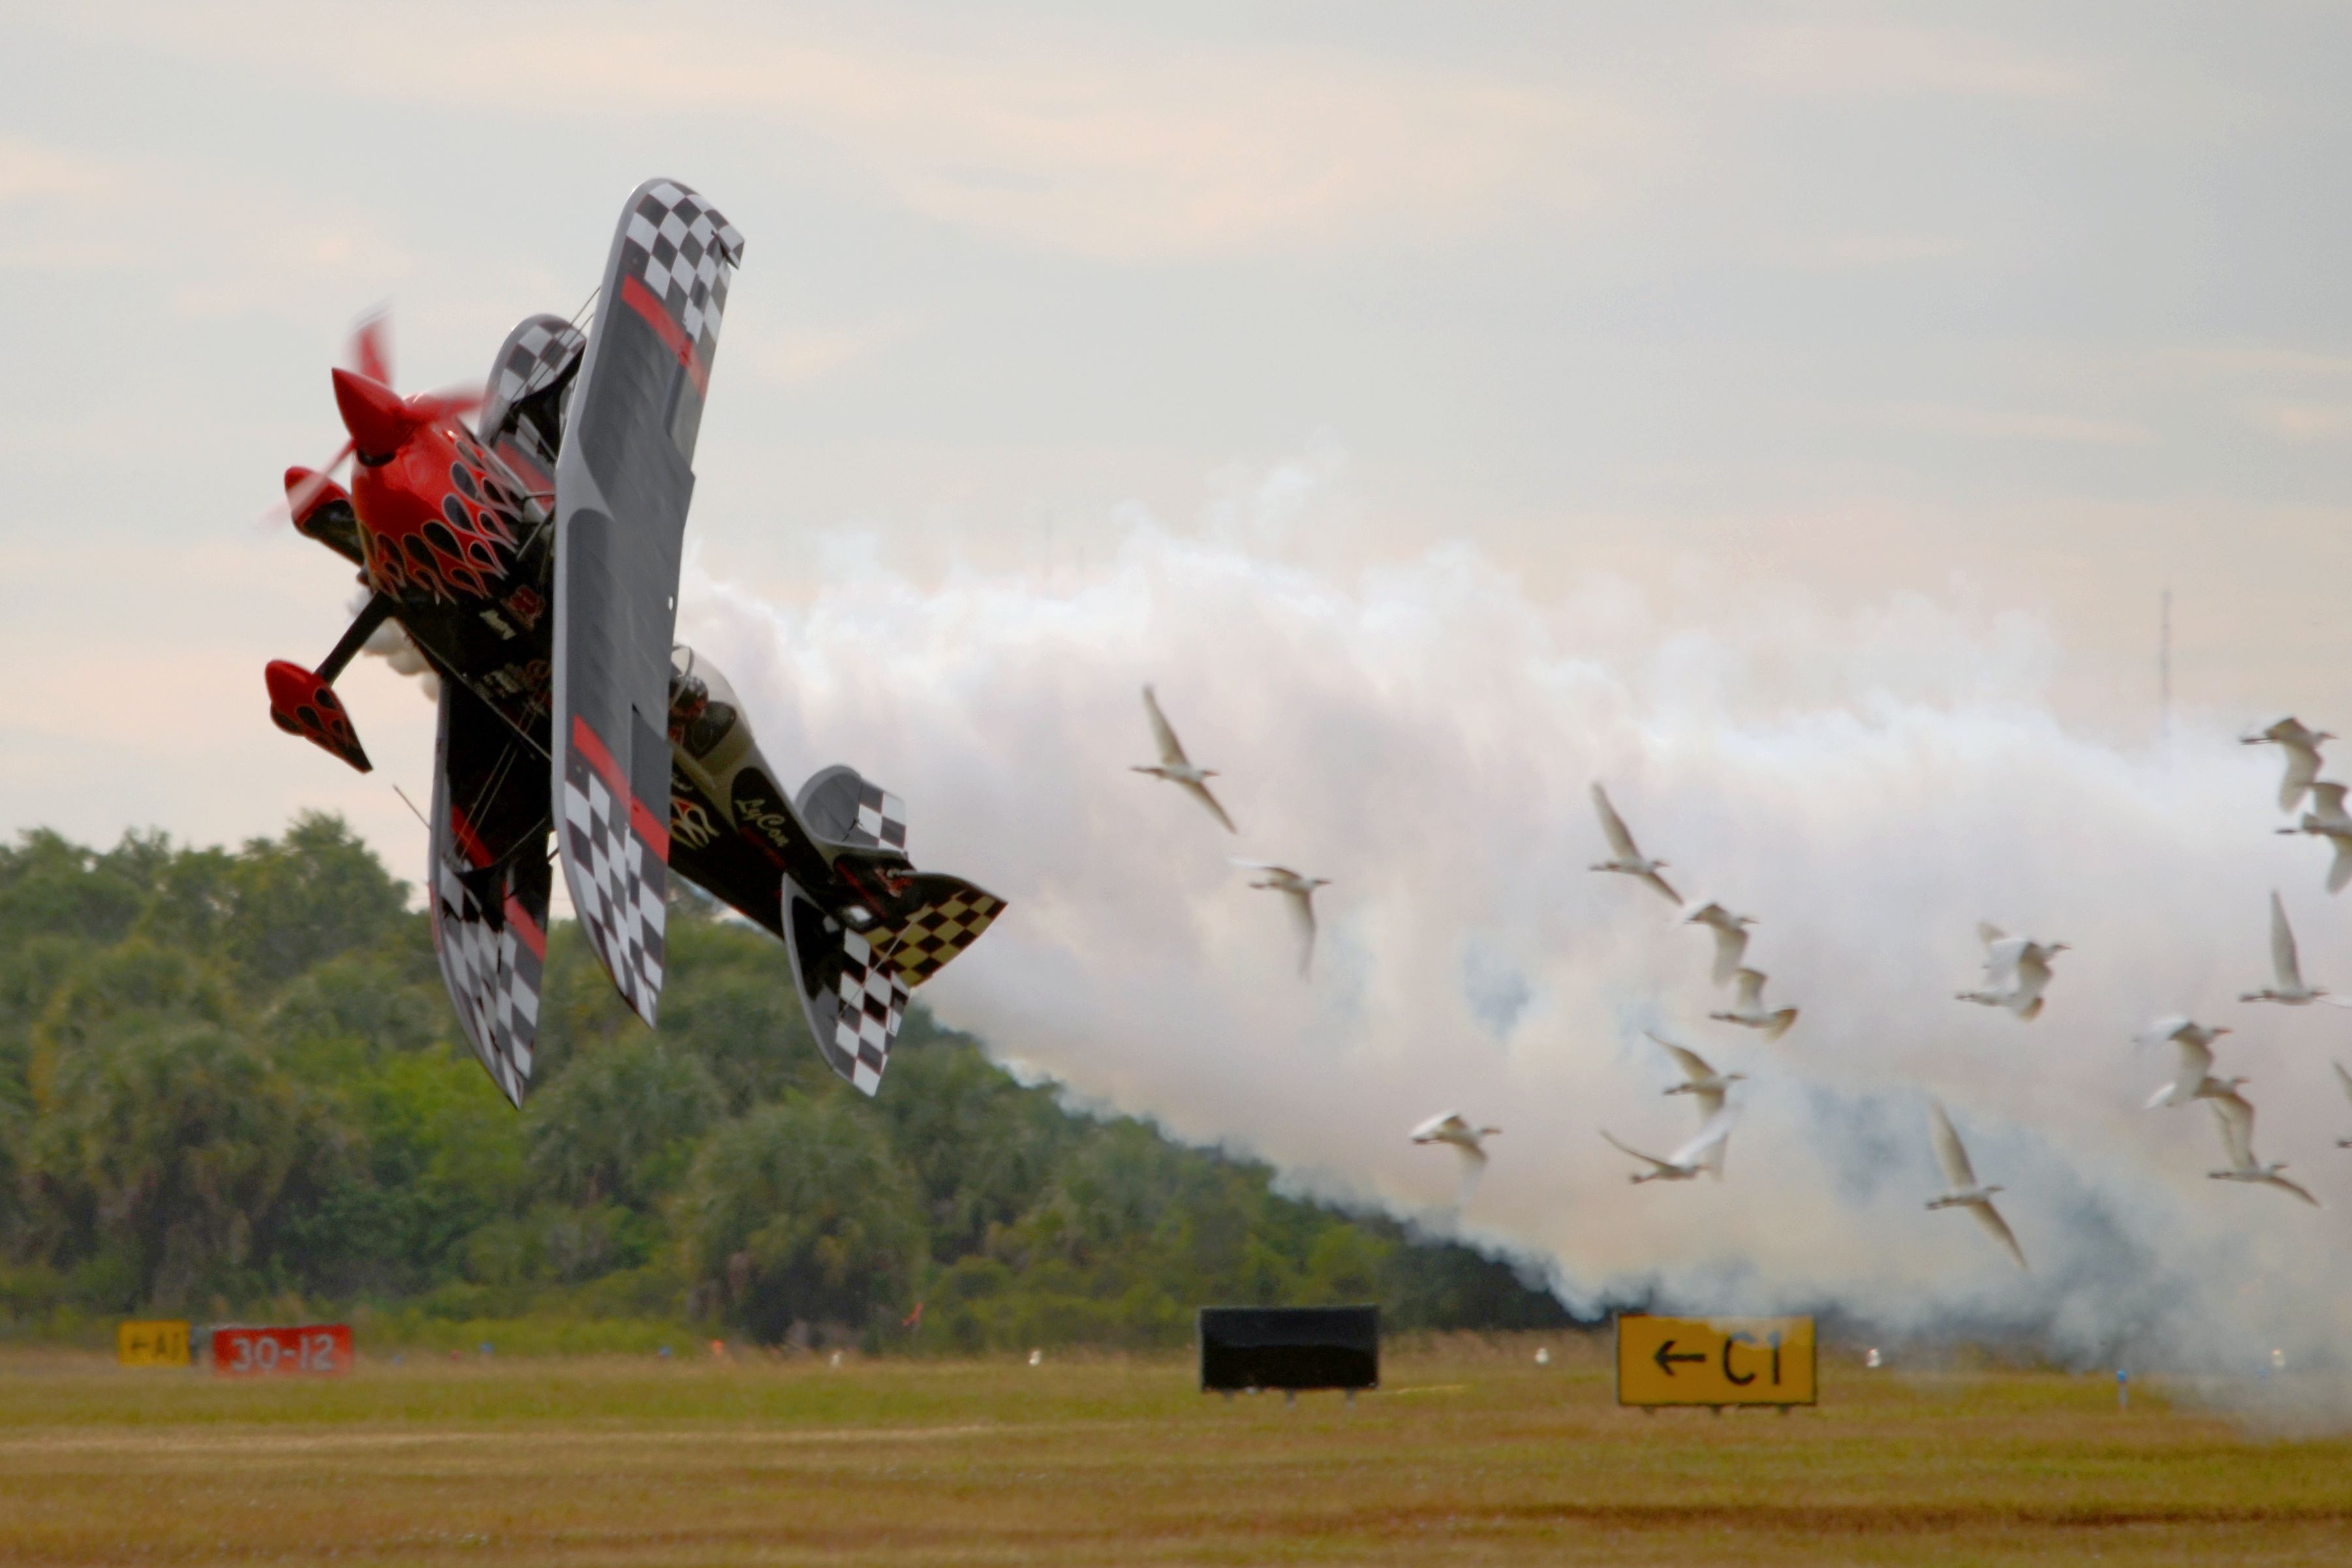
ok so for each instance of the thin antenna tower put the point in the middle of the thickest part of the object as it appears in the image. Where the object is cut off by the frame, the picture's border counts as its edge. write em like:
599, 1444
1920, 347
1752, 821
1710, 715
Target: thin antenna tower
2164, 673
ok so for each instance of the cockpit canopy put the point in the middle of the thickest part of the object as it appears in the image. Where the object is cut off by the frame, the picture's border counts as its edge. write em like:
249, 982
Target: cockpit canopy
703, 708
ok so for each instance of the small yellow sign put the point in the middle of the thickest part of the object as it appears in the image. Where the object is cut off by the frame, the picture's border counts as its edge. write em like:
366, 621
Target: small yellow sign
154, 1344
1714, 1361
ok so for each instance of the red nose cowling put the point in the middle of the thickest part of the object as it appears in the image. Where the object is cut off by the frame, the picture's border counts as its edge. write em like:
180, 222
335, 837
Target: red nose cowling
375, 414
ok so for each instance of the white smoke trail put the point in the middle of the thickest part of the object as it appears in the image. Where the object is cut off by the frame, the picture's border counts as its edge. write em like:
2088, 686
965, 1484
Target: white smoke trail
1870, 786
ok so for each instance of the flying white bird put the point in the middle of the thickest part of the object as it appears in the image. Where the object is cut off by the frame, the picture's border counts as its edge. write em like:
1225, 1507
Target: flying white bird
1730, 939
2301, 749
2192, 1080
1624, 855
1963, 1189
1175, 766
2331, 822
2017, 970
2286, 972
1748, 1010
2235, 1118
1451, 1128
1299, 891
1705, 1086
2345, 1079
1686, 1163
1467, 1141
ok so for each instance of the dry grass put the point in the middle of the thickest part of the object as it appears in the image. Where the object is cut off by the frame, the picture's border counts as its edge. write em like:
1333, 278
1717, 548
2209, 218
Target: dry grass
1470, 1454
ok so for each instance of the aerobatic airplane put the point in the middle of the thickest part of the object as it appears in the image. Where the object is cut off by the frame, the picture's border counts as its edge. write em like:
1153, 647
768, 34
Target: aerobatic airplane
533, 560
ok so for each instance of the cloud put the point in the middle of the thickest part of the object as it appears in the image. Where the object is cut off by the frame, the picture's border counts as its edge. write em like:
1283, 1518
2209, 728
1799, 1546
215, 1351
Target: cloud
1850, 252
2305, 422
795, 356
1116, 151
1871, 61
1871, 785
2009, 425
32, 169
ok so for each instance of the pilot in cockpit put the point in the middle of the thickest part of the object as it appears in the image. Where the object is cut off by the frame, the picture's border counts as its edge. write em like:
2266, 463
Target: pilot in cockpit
703, 709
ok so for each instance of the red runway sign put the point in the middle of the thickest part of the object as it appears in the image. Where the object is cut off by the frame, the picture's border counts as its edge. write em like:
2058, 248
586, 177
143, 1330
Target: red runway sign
313, 1349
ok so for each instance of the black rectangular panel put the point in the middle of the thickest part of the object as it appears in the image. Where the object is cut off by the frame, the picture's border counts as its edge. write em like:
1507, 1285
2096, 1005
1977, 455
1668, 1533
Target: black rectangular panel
1289, 1347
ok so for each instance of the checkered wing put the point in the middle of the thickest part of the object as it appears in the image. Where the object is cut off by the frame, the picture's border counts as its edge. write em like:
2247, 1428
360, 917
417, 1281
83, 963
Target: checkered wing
854, 998
623, 481
530, 382
950, 918
489, 884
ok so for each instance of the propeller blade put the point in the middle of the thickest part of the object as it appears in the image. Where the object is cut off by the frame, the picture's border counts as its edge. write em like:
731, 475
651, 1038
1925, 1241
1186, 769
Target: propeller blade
449, 402
371, 347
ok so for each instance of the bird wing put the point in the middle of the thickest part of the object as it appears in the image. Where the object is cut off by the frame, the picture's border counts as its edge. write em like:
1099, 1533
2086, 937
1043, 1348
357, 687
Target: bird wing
1718, 1128
1621, 842
1730, 947
1171, 750
2302, 771
2300, 1191
1654, 880
2032, 970
1693, 1065
1438, 1123
1751, 989
1710, 1100
1989, 1218
2284, 962
2344, 1078
1949, 1153
1302, 916
2196, 1064
1988, 933
2330, 796
1260, 865
1200, 791
2340, 872
1624, 1148
2002, 956
2234, 1114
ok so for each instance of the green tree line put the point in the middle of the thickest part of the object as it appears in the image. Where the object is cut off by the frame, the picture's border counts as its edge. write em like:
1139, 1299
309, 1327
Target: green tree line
231, 1084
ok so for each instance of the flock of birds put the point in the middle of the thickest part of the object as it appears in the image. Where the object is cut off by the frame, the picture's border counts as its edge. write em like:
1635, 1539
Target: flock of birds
2017, 974
1297, 889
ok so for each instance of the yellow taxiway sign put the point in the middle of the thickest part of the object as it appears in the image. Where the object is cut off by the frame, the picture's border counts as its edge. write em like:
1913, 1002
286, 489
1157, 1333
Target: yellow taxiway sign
154, 1344
1714, 1361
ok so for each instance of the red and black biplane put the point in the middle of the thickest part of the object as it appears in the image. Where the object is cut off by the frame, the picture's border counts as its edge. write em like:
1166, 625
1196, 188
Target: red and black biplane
533, 561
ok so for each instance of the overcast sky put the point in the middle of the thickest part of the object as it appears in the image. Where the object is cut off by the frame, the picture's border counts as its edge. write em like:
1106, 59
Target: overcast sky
2029, 308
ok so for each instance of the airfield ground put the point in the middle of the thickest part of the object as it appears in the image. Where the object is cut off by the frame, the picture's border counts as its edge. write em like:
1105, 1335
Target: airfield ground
1470, 1454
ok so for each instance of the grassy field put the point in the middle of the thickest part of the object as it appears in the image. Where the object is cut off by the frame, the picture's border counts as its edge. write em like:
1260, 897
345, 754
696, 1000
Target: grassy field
1471, 1453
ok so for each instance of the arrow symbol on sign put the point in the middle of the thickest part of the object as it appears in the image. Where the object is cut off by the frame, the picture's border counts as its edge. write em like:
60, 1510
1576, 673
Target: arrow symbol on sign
1665, 1358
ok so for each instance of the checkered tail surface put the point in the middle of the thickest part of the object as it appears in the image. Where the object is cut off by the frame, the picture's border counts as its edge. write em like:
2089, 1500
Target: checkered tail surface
950, 918
855, 998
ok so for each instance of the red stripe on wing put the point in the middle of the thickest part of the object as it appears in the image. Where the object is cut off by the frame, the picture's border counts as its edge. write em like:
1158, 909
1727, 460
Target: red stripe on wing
598, 758
520, 921
641, 822
640, 298
468, 840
